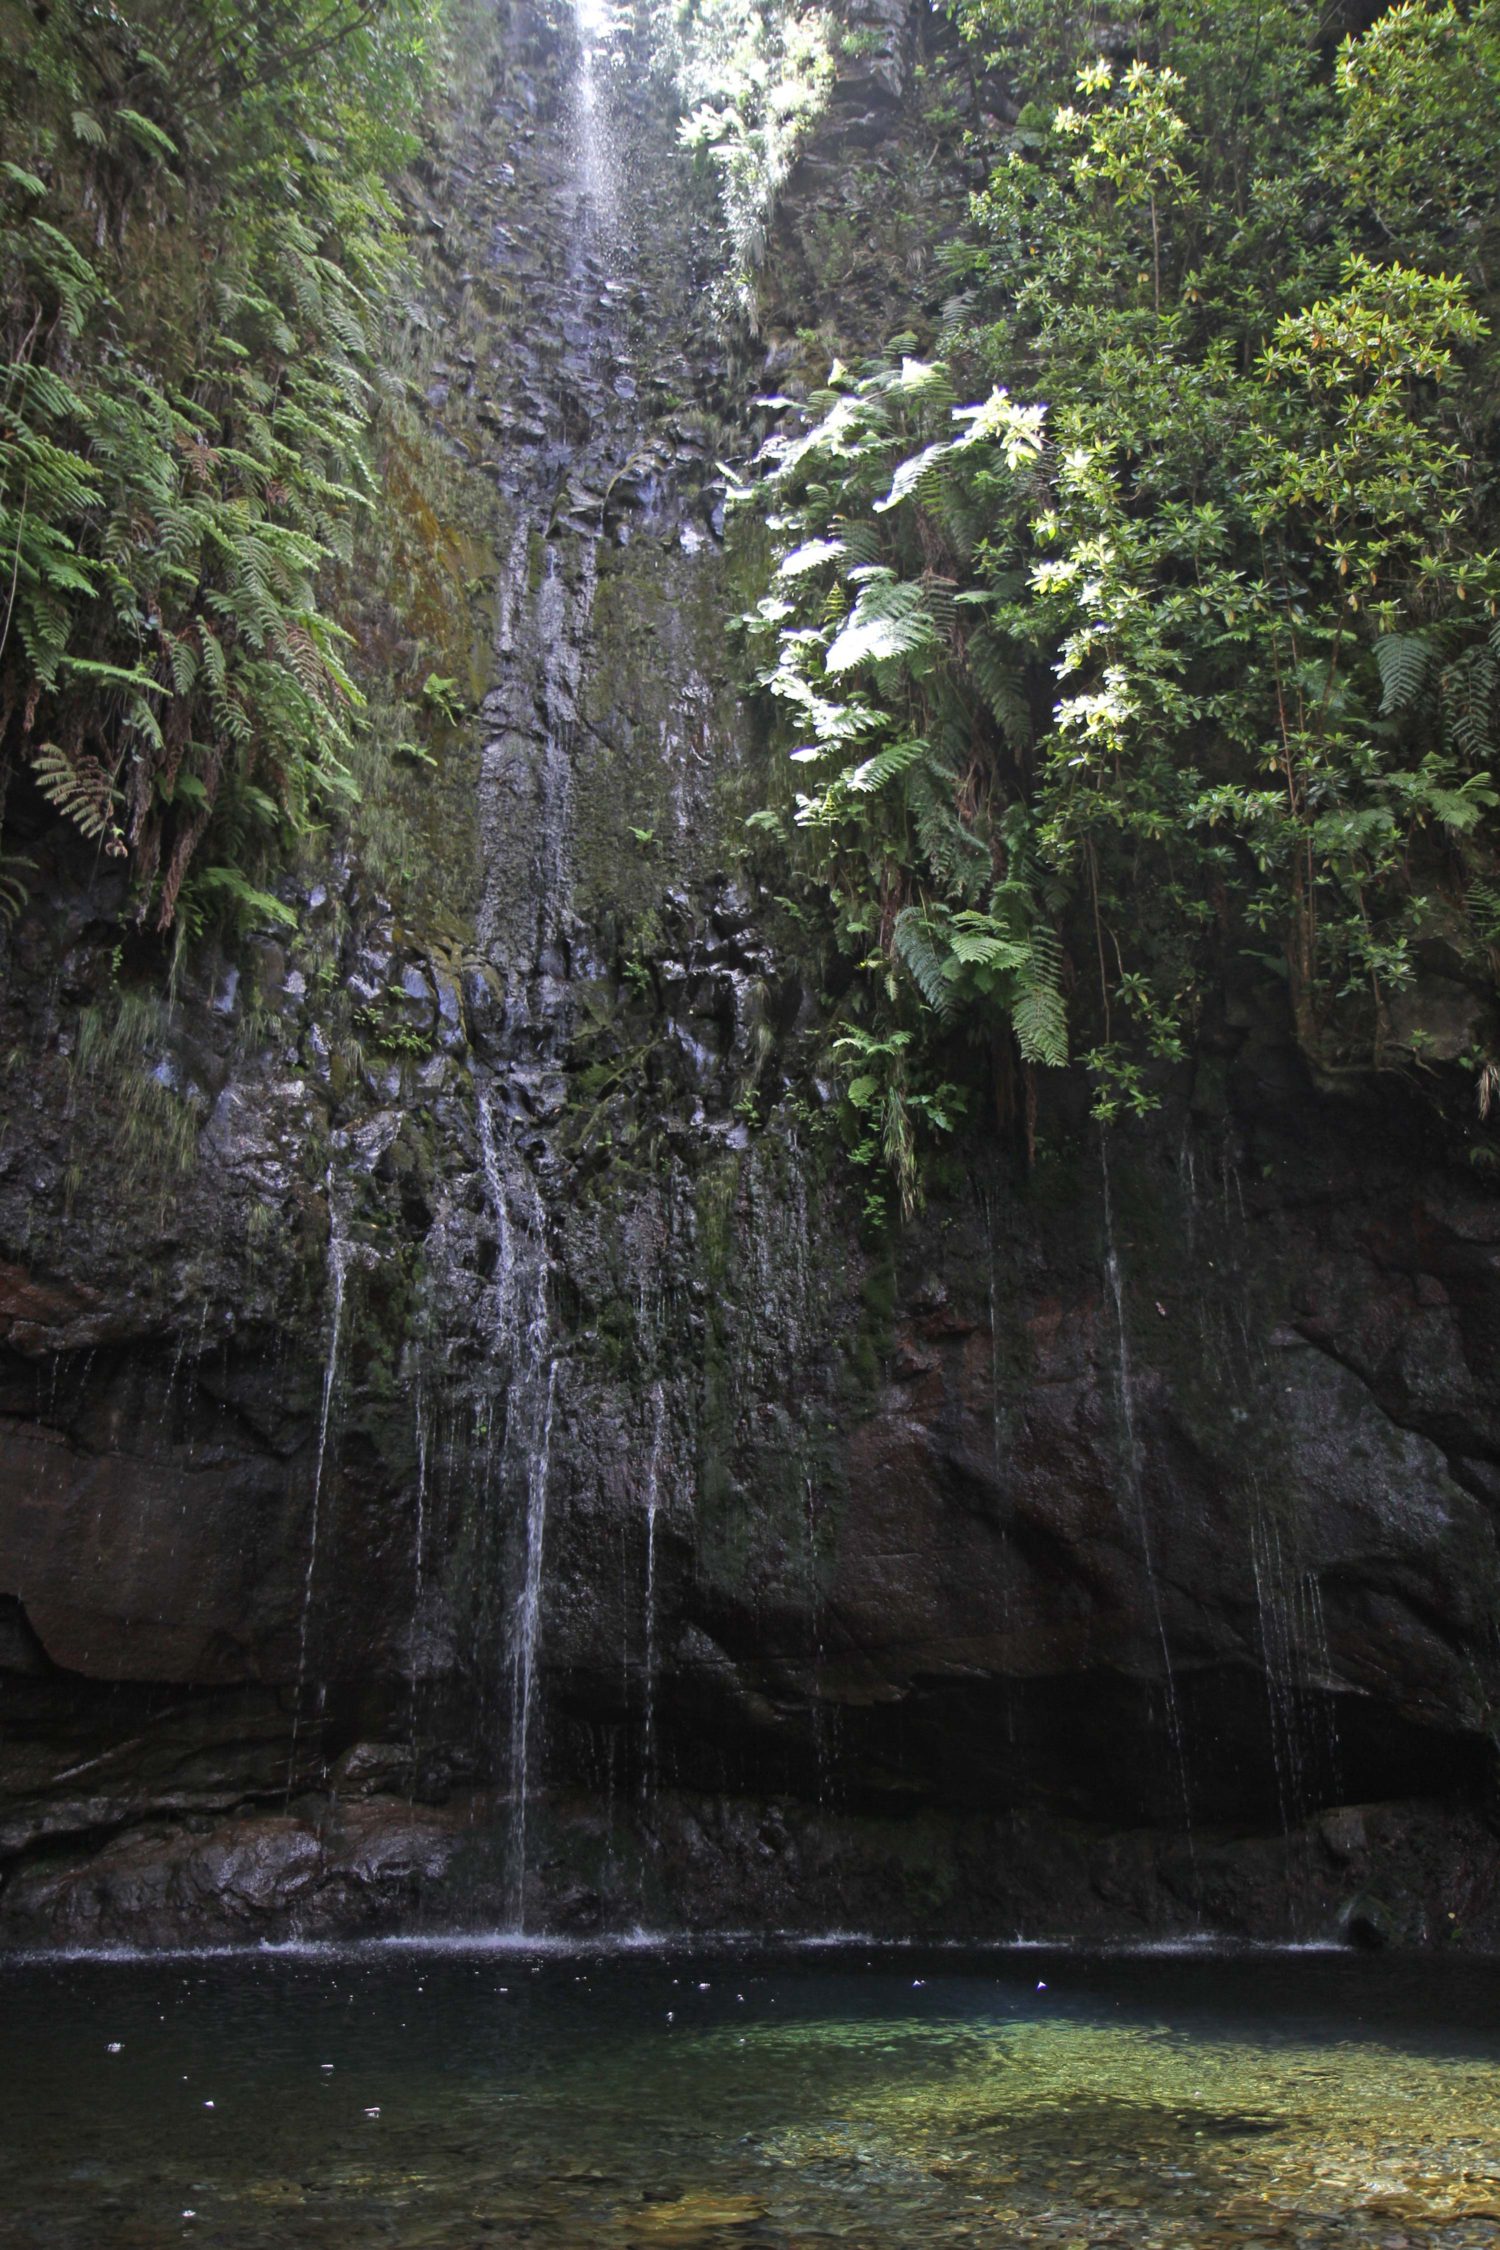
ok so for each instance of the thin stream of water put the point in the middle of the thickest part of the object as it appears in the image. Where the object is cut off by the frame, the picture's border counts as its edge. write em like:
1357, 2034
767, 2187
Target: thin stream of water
997, 1452
653, 1502
340, 1253
527, 1636
1135, 1487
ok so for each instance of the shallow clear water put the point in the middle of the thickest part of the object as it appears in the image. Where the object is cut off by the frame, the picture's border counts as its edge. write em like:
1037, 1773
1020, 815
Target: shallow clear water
887, 2100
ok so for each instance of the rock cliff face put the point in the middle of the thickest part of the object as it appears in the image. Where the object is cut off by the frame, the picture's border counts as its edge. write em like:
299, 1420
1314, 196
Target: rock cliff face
473, 1466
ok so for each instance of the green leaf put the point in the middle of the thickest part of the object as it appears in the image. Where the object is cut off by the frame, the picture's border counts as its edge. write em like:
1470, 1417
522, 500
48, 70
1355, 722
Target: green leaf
146, 134
889, 621
887, 764
810, 556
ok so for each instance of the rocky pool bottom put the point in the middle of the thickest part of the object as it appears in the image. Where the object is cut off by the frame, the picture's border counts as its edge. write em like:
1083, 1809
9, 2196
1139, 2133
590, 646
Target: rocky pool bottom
886, 2098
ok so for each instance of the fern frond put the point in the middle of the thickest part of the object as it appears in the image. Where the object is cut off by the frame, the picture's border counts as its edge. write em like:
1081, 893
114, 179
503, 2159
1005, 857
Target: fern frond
1405, 663
80, 788
809, 556
887, 764
1039, 1012
915, 948
890, 621
1039, 1019
1000, 680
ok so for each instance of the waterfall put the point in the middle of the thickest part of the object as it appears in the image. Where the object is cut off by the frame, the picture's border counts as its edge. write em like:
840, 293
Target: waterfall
528, 1626
653, 1503
422, 1434
1136, 1491
600, 171
340, 1251
821, 1716
523, 1362
997, 1456
526, 925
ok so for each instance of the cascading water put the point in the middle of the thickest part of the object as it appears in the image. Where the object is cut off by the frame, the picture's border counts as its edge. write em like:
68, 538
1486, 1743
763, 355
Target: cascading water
653, 1505
525, 1369
997, 1445
1295, 1660
527, 929
527, 1635
340, 1255
600, 171
422, 1433
1136, 1493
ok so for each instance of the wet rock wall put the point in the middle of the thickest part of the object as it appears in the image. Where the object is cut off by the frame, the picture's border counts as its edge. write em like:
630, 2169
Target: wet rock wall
465, 1458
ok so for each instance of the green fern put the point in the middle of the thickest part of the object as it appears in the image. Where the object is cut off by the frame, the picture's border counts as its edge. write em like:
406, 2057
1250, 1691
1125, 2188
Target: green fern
1000, 680
890, 621
14, 866
887, 764
1039, 1013
228, 887
173, 497
924, 960
79, 787
1406, 664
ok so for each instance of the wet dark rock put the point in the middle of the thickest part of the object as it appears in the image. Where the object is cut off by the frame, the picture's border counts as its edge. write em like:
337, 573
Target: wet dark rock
1367, 1925
980, 1601
364, 1868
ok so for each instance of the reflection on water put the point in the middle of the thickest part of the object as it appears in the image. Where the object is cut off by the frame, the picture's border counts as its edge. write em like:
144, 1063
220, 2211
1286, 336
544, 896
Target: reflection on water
885, 2101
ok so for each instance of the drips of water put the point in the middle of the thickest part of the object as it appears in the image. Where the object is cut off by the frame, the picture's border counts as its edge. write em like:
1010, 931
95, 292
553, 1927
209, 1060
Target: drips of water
1136, 1491
340, 1255
997, 1450
600, 168
525, 1365
421, 1429
1295, 1658
653, 1501
1290, 1728
1313, 1629
528, 1627
821, 1715
419, 1535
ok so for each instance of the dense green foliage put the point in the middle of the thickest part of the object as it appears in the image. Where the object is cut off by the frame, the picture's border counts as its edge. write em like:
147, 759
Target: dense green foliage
196, 236
1177, 652
750, 79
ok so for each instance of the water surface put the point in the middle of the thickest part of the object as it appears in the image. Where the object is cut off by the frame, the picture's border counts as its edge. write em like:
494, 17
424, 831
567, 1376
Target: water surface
887, 2100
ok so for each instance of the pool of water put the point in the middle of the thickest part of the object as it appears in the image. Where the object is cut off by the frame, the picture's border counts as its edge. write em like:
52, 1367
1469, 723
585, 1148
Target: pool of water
887, 2099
